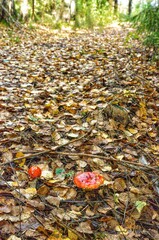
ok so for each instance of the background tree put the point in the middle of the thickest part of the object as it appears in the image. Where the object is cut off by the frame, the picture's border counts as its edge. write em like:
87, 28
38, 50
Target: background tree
33, 10
130, 7
147, 24
24, 10
115, 6
7, 10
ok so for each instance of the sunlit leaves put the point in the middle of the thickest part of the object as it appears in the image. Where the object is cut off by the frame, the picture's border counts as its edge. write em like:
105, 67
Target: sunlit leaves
99, 96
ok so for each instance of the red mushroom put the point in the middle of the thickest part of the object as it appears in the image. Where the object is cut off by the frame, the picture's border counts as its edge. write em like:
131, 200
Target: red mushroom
88, 180
34, 172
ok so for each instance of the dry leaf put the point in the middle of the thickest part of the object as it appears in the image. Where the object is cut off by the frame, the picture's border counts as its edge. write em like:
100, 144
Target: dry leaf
72, 235
7, 156
84, 227
13, 237
53, 200
22, 161
119, 185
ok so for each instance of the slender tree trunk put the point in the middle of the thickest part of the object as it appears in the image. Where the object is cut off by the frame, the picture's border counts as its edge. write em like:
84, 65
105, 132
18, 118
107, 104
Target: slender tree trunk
115, 6
110, 4
7, 10
33, 9
3, 6
24, 9
130, 7
77, 23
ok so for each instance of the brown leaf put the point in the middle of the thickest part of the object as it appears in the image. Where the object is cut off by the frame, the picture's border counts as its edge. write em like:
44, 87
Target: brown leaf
7, 156
119, 185
43, 190
71, 193
84, 227
53, 200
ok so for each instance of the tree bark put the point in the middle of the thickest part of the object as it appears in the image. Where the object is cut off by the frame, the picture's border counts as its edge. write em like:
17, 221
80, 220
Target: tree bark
24, 9
33, 9
130, 7
7, 10
115, 6
110, 4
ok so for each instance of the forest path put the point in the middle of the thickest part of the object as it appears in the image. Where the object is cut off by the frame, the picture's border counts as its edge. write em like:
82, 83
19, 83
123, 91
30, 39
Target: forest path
55, 87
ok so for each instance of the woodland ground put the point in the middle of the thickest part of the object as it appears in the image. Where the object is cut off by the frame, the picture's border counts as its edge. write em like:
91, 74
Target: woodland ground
74, 101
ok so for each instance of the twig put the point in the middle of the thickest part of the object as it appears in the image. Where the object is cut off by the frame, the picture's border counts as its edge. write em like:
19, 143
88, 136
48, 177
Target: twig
49, 150
122, 162
106, 158
110, 158
61, 224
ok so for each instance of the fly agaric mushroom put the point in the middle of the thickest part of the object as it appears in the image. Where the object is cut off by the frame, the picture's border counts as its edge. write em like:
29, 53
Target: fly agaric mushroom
34, 172
88, 180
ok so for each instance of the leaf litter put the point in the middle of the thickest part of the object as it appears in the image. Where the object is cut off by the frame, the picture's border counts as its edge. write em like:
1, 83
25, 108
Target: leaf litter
77, 101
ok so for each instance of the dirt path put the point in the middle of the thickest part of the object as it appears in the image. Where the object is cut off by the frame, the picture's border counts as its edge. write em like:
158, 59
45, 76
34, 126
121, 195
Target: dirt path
94, 96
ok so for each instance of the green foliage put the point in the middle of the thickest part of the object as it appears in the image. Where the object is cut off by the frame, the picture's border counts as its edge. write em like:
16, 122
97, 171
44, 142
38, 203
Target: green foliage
88, 13
152, 39
147, 22
61, 172
93, 13
147, 19
132, 35
13, 38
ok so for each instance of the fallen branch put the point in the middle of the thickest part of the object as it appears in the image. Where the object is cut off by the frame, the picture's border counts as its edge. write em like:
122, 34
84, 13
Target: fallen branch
122, 162
107, 158
110, 158
49, 150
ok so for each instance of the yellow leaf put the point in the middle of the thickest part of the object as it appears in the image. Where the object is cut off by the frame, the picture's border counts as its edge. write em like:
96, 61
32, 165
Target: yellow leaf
41, 229
27, 105
132, 130
28, 193
120, 156
56, 235
142, 112
127, 133
20, 162
48, 105
72, 235
140, 205
121, 229
155, 147
152, 134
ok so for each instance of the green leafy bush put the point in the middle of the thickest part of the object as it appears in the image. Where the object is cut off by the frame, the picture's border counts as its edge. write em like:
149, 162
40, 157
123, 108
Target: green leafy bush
147, 22
92, 13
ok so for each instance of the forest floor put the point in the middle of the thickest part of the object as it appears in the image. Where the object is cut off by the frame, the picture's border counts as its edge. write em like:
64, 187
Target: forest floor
75, 101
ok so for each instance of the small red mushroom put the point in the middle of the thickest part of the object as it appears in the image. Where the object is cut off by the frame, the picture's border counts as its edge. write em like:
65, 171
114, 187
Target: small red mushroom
34, 172
88, 180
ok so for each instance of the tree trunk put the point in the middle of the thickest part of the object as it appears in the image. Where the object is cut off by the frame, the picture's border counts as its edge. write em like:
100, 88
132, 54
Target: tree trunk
7, 10
68, 10
77, 23
33, 9
130, 7
24, 9
110, 5
115, 6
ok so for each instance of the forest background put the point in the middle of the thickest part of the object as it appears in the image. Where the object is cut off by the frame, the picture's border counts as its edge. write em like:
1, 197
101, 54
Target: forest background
79, 92
85, 14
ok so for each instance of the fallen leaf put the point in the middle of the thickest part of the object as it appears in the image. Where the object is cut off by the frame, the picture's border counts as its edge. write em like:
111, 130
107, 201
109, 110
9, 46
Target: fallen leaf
72, 235
84, 227
119, 184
